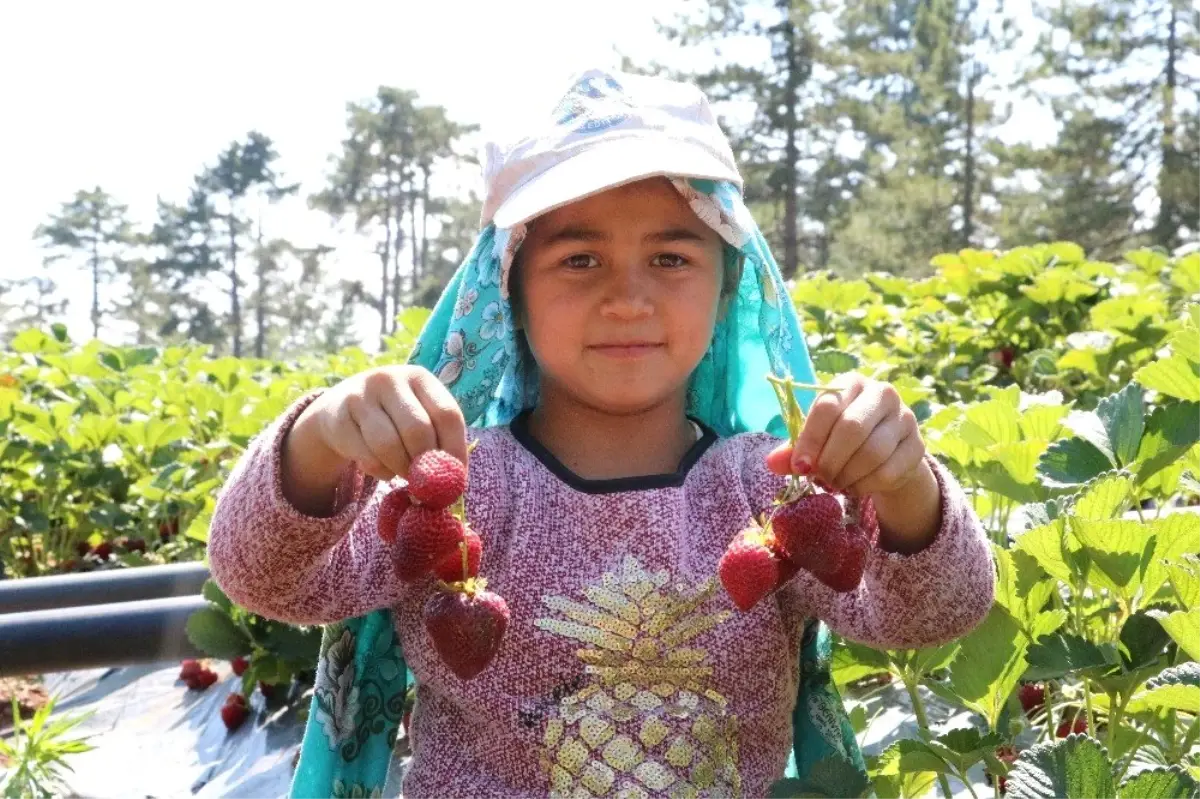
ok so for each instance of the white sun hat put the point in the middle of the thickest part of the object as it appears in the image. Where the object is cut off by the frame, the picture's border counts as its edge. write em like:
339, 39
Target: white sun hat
610, 128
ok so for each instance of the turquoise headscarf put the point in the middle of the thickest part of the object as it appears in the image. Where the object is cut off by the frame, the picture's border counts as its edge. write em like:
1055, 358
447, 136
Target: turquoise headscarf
470, 343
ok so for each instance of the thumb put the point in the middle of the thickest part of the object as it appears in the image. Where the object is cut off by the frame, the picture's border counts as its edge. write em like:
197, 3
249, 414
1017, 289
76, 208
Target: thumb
779, 460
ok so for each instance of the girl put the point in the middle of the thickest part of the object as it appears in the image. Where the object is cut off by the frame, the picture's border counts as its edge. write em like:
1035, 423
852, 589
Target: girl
605, 345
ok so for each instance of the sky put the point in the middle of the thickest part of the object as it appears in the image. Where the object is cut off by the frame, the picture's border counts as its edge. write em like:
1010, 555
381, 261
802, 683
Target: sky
137, 97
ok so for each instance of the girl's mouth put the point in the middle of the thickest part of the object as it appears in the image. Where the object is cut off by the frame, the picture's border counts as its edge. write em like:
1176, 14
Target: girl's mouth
627, 349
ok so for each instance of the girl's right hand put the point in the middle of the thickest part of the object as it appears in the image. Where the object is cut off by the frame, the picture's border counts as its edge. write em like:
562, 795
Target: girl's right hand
381, 420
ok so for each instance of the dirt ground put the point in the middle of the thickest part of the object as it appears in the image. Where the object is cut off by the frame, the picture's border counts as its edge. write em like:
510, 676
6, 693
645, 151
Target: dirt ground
30, 693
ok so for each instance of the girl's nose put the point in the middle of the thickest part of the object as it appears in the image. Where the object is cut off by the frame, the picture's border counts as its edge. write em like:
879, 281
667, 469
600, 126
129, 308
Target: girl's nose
627, 295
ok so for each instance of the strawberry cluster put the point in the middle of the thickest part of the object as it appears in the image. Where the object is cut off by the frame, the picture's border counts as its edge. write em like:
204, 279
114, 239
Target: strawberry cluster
425, 523
810, 531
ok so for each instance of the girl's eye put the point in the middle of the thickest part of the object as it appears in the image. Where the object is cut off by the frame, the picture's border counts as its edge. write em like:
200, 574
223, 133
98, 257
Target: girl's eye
580, 261
670, 260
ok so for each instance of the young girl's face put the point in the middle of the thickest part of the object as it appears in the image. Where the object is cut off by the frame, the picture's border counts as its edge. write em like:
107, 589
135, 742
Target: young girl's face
618, 296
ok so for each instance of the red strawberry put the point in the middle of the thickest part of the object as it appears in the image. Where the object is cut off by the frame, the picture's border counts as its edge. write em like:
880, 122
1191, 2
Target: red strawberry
450, 567
749, 570
1005, 754
466, 627
103, 550
806, 529
787, 570
390, 512
425, 536
847, 573
1032, 696
135, 545
437, 479
267, 690
82, 548
201, 680
189, 668
1079, 725
239, 665
234, 712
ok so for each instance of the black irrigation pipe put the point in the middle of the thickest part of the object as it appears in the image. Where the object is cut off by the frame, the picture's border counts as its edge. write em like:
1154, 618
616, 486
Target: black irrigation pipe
102, 587
93, 636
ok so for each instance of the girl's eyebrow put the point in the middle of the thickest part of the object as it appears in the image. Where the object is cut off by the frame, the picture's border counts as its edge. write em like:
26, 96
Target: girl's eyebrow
576, 233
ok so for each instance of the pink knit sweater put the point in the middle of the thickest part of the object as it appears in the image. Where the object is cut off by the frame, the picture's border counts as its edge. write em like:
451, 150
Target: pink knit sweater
626, 670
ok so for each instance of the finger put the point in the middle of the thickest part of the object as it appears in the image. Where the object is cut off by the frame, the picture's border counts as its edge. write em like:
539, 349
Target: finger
779, 460
822, 415
379, 434
874, 404
450, 428
896, 471
411, 421
873, 453
351, 445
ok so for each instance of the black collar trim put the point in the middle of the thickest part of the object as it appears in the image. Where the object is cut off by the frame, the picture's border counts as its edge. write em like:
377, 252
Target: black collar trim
520, 431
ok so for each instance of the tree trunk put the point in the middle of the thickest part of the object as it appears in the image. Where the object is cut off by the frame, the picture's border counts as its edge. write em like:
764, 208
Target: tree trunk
416, 250
791, 154
235, 300
385, 258
1165, 227
425, 222
95, 277
968, 203
260, 310
397, 286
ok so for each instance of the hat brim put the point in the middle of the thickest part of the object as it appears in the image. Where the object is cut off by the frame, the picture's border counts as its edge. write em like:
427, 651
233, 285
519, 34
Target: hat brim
606, 166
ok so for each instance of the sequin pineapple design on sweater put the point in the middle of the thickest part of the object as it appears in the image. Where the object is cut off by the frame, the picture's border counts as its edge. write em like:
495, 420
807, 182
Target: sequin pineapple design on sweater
626, 670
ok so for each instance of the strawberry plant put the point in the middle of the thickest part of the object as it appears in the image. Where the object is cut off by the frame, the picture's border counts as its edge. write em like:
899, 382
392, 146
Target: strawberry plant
32, 761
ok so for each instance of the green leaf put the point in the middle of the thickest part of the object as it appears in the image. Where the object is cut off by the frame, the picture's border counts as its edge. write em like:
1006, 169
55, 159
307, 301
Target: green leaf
1142, 640
1147, 260
991, 422
1104, 498
293, 644
213, 593
1173, 376
1076, 767
1185, 274
1046, 544
213, 632
835, 362
1072, 462
1022, 587
1175, 688
1123, 420
1160, 782
1184, 627
1186, 343
1175, 535
1185, 579
1042, 422
1119, 548
963, 747
1170, 431
990, 661
831, 776
1058, 655
60, 332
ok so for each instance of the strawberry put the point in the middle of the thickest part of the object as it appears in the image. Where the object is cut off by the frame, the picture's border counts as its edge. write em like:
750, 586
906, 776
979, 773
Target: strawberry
787, 570
847, 573
103, 550
1007, 755
437, 479
749, 570
135, 545
82, 548
235, 711
425, 536
267, 690
806, 529
390, 511
239, 665
466, 626
1032, 696
201, 680
1079, 725
450, 567
189, 668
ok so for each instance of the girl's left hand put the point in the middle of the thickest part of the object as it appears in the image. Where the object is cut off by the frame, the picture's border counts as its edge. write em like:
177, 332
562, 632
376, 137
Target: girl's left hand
861, 440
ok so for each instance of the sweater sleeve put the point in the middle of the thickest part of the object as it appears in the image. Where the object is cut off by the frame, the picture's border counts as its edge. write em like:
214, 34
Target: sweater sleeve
279, 562
917, 600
